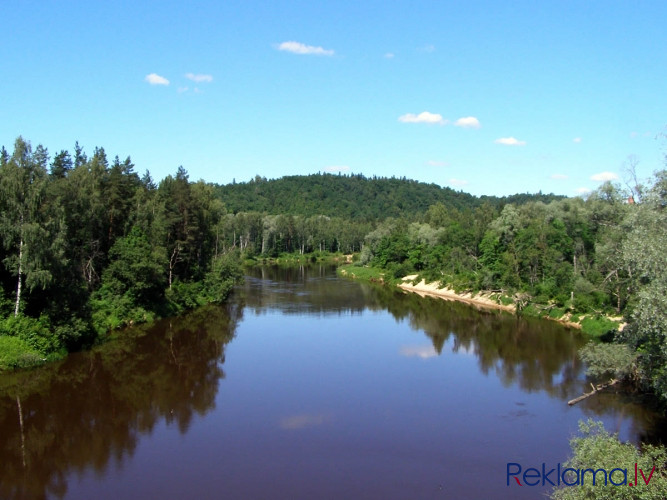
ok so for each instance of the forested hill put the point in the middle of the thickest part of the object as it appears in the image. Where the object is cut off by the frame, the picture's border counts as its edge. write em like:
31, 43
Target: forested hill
352, 196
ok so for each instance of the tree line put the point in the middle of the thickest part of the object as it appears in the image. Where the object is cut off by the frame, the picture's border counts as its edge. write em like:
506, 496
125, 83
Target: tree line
595, 257
87, 245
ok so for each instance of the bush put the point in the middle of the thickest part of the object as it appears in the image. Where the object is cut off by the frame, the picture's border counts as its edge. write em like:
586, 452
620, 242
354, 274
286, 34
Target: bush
608, 360
598, 326
16, 353
597, 449
185, 295
36, 333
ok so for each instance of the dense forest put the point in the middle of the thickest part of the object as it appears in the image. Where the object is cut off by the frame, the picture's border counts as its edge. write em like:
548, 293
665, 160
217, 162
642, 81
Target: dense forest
580, 259
88, 245
353, 197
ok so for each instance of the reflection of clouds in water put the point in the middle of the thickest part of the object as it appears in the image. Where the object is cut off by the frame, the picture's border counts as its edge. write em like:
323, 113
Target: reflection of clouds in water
420, 351
304, 420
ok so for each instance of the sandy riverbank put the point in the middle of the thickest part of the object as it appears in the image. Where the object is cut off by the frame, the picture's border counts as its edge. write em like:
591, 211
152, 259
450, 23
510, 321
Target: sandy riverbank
431, 289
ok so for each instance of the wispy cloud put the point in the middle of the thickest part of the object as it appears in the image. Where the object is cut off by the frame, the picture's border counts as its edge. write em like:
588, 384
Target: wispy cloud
155, 79
468, 122
305, 420
389, 55
457, 182
510, 141
577, 140
337, 168
427, 48
182, 89
437, 163
604, 176
559, 177
421, 351
199, 78
303, 49
582, 190
423, 117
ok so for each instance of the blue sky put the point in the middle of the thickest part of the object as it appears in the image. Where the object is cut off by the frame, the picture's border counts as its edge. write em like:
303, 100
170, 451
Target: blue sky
486, 97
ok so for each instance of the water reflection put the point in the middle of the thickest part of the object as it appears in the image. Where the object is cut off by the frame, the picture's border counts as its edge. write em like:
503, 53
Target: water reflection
92, 408
357, 392
537, 355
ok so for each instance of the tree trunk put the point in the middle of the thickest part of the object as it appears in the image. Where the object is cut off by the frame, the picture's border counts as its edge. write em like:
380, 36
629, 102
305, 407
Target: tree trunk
18, 285
18, 404
172, 262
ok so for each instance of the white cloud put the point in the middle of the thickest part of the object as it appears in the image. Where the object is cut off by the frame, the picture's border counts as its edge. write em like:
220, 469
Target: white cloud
468, 122
604, 176
422, 351
300, 48
510, 141
199, 78
559, 177
389, 55
437, 163
583, 190
577, 140
182, 89
423, 117
457, 182
337, 168
294, 422
155, 79
427, 48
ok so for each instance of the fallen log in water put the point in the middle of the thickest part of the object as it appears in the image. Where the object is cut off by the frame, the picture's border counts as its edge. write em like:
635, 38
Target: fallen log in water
595, 390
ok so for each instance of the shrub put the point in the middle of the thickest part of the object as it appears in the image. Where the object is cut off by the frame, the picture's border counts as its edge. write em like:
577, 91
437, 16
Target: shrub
16, 353
597, 449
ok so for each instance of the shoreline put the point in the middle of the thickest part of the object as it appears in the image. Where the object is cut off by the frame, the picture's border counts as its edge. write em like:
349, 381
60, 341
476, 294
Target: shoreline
480, 300
431, 289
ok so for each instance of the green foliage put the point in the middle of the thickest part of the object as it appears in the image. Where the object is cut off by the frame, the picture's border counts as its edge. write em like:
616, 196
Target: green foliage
363, 273
16, 353
597, 326
224, 274
608, 360
135, 270
111, 311
597, 449
185, 295
645, 256
34, 332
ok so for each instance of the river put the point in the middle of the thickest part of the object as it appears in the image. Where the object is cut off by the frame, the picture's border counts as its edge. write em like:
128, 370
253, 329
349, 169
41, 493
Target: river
304, 386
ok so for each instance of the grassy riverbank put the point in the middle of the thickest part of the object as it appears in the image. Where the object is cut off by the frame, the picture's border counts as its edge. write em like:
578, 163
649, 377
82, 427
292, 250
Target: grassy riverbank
296, 258
591, 324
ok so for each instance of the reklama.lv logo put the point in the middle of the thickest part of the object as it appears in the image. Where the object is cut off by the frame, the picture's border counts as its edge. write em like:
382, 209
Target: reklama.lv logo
573, 477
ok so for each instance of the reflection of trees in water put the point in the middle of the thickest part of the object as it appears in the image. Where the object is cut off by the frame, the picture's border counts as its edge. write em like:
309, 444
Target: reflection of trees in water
300, 290
537, 355
643, 412
93, 407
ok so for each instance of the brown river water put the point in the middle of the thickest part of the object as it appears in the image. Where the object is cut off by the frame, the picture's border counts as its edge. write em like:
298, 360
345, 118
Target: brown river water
307, 386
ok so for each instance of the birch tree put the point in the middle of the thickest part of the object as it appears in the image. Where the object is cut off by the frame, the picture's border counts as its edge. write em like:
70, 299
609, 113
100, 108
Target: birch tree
23, 225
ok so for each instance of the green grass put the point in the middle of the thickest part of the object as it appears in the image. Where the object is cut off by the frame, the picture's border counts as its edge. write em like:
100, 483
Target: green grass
295, 259
16, 353
372, 274
557, 312
598, 326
